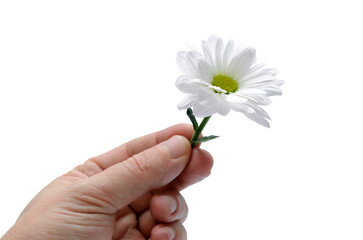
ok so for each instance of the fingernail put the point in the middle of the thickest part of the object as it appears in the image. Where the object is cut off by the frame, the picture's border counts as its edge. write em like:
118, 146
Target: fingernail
175, 146
172, 203
169, 232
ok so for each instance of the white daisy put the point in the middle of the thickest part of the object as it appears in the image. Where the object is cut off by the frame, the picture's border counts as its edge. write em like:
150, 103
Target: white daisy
225, 78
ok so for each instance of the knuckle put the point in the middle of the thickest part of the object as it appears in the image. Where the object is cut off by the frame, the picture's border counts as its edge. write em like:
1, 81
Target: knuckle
149, 162
90, 167
139, 165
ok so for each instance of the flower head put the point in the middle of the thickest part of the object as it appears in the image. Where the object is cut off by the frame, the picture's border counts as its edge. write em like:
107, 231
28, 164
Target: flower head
224, 78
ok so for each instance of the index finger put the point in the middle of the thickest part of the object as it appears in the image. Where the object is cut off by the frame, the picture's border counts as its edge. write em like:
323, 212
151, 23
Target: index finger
140, 144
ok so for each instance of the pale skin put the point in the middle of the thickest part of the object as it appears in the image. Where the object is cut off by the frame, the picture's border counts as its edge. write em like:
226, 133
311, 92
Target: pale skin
130, 192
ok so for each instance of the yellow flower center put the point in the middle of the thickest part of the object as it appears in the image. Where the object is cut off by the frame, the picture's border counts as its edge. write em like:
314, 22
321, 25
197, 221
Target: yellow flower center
226, 83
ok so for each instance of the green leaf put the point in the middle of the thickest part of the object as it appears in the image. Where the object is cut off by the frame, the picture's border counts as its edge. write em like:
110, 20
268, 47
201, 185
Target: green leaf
192, 118
206, 139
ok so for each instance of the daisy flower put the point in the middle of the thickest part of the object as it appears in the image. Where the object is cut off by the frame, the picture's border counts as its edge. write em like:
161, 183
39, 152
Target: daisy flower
224, 77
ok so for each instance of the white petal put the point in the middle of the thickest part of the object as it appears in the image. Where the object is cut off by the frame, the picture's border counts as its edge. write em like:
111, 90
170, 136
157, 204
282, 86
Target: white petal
207, 103
258, 119
260, 78
192, 63
186, 85
218, 55
250, 91
202, 111
223, 108
207, 98
259, 70
258, 110
212, 103
212, 42
232, 98
259, 82
208, 55
205, 71
272, 90
241, 63
279, 83
269, 86
261, 99
257, 95
213, 51
243, 108
217, 89
181, 63
187, 102
228, 53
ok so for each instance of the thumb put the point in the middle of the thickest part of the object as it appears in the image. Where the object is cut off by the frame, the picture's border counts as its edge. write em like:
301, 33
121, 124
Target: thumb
153, 168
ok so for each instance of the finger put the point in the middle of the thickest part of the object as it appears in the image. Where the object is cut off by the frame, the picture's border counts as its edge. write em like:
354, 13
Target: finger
172, 231
198, 168
141, 204
165, 207
140, 144
146, 223
168, 207
124, 220
153, 168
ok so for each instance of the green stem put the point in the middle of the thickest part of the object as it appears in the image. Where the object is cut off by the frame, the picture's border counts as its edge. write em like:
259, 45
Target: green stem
198, 131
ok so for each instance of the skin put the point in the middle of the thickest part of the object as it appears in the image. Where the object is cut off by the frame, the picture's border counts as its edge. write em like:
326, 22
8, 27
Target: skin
130, 192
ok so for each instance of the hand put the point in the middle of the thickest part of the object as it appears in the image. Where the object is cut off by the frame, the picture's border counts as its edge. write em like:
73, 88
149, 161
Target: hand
130, 192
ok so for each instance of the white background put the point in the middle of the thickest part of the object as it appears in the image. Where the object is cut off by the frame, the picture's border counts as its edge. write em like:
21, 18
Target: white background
78, 78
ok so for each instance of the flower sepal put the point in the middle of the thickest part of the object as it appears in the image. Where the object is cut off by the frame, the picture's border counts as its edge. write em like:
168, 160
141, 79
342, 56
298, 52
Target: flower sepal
192, 118
198, 129
205, 139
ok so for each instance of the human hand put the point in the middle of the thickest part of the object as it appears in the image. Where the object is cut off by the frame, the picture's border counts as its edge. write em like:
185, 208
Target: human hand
130, 192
